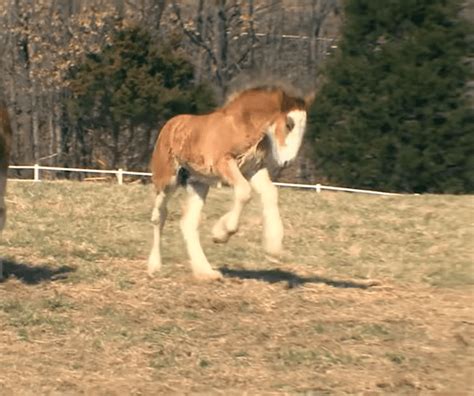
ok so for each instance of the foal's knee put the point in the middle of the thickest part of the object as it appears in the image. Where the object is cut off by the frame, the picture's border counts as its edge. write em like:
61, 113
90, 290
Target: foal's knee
270, 194
243, 193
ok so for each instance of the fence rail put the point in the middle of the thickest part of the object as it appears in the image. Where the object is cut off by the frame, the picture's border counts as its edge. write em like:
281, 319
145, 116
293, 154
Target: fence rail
120, 173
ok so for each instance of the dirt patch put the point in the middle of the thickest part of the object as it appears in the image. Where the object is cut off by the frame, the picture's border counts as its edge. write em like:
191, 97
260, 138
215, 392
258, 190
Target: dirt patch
176, 335
369, 298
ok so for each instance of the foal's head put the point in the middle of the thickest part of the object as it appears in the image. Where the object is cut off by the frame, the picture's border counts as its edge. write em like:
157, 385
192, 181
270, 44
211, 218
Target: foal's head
286, 132
284, 113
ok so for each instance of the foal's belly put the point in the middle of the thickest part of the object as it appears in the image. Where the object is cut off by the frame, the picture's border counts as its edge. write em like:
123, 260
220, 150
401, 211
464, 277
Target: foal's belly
206, 178
249, 162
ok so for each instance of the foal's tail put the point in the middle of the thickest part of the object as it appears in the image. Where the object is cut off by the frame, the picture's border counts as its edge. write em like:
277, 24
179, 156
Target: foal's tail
163, 164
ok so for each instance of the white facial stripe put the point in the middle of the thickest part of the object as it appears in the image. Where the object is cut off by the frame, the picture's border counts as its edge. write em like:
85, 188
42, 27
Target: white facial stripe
289, 150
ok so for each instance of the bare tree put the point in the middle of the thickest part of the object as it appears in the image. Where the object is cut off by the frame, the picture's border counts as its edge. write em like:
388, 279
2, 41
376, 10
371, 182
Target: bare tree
273, 37
42, 40
218, 31
318, 45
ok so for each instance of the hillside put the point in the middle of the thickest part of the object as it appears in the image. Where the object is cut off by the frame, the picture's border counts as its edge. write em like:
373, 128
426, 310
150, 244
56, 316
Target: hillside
372, 294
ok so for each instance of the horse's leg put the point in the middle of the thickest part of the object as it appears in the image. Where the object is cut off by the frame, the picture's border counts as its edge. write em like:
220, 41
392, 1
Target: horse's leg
197, 193
272, 225
158, 219
3, 182
228, 224
3, 209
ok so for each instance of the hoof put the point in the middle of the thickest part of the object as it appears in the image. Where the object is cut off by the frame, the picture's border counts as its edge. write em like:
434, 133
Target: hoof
273, 259
153, 268
221, 232
154, 262
217, 239
274, 255
151, 273
274, 250
208, 275
222, 237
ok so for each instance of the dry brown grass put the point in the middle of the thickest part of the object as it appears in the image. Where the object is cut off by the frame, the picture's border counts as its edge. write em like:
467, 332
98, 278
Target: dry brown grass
374, 294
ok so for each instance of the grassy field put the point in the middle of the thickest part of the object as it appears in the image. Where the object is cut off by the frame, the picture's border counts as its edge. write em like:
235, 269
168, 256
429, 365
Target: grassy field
373, 294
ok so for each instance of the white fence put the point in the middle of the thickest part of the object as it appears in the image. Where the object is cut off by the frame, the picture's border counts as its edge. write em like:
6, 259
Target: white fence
120, 173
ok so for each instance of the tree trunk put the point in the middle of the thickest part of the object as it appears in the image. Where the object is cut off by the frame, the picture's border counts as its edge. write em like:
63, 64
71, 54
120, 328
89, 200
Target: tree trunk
58, 132
251, 33
51, 131
159, 6
115, 146
35, 121
221, 46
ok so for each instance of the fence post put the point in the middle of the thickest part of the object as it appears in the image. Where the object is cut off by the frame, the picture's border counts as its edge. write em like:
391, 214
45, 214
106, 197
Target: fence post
120, 176
36, 172
318, 188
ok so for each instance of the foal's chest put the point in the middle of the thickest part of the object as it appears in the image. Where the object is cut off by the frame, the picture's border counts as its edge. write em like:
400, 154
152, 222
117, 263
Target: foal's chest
253, 159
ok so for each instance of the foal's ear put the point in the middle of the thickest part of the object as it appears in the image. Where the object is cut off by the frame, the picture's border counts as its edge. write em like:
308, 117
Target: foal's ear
309, 99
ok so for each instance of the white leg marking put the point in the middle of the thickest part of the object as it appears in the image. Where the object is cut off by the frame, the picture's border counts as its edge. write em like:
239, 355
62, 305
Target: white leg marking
189, 227
272, 224
228, 224
158, 218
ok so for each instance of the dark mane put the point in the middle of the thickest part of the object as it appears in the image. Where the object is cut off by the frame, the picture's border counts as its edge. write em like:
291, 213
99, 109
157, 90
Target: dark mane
292, 97
260, 82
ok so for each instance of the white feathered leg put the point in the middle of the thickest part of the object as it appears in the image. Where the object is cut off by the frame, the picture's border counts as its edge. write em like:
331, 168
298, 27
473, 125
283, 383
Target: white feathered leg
197, 193
272, 224
228, 224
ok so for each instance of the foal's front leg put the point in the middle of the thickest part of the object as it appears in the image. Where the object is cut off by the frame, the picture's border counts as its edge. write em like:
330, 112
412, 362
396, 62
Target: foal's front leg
272, 225
197, 193
228, 224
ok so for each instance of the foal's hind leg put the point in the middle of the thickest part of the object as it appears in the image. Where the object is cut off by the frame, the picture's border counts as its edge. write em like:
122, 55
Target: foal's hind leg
228, 224
158, 219
272, 225
197, 193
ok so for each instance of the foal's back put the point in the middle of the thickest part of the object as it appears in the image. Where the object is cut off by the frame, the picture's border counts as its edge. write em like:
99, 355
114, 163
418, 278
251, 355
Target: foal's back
199, 142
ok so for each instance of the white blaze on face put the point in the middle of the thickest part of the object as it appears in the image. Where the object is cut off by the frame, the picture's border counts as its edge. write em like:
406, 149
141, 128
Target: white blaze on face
288, 151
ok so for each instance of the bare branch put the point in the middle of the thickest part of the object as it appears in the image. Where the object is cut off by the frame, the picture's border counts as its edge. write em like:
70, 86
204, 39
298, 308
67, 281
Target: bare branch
196, 38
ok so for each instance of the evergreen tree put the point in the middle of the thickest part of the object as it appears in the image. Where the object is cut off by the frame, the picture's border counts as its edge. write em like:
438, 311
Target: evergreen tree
393, 113
133, 86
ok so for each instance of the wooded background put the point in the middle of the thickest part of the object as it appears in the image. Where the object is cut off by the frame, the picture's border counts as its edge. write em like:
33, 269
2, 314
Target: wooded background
89, 83
48, 43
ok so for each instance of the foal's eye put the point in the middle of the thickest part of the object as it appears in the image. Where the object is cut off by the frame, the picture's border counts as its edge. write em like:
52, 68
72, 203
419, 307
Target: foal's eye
290, 124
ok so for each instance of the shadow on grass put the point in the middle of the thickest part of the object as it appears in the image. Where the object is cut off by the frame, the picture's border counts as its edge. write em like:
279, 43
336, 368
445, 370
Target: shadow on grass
293, 280
33, 274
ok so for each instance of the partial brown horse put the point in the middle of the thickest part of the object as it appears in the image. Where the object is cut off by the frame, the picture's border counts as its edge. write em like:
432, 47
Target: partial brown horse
5, 143
256, 131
